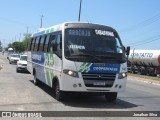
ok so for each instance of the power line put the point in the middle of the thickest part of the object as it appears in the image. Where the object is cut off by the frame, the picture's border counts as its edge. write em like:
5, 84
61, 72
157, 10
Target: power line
14, 21
137, 42
11, 20
155, 39
143, 23
146, 42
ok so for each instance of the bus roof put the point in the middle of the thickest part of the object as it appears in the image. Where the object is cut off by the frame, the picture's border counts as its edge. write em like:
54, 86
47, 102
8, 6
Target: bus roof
59, 27
48, 30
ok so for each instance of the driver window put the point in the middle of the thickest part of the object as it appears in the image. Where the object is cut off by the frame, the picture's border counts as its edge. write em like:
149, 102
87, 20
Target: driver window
52, 41
118, 46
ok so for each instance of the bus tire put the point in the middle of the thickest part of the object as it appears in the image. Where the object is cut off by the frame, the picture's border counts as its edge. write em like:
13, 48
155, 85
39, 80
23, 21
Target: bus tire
35, 81
111, 96
59, 95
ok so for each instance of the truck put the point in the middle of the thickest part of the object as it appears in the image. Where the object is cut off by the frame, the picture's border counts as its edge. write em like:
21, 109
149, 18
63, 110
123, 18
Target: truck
144, 62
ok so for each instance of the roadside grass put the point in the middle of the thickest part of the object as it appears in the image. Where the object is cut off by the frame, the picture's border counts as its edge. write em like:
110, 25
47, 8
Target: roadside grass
144, 76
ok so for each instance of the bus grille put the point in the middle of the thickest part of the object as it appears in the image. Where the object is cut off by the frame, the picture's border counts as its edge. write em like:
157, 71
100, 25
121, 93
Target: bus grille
98, 79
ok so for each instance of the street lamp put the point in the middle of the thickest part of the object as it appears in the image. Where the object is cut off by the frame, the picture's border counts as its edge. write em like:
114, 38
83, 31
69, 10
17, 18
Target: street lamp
42, 16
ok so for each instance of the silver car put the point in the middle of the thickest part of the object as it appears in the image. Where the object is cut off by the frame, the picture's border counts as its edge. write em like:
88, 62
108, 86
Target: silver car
13, 58
22, 63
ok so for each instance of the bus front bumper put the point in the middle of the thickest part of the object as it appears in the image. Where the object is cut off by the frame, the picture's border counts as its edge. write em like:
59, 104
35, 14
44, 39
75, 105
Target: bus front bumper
78, 85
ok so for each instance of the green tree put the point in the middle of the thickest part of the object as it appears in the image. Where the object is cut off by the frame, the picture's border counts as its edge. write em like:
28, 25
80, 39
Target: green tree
10, 45
26, 39
18, 47
6, 48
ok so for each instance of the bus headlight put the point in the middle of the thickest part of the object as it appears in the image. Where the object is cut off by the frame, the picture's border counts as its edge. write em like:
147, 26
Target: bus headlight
122, 75
71, 73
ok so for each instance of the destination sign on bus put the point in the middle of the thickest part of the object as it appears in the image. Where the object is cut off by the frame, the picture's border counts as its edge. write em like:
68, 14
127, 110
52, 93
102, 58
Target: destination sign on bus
80, 32
103, 32
89, 32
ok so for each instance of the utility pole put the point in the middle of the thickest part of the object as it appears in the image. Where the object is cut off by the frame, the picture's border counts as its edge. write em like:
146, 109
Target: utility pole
79, 17
15, 37
19, 37
27, 29
42, 16
4, 42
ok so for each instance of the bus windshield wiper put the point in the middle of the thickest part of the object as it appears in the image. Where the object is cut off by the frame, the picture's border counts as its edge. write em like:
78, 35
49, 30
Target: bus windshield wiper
81, 54
87, 55
106, 56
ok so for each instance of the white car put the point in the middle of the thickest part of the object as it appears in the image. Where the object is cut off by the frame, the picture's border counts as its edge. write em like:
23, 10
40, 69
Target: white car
22, 63
13, 58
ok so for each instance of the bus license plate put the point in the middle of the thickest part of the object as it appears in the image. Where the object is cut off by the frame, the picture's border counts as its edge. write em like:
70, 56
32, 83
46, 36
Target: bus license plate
99, 83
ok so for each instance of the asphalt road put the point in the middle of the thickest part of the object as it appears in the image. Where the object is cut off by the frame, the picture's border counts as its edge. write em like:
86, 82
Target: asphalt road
18, 93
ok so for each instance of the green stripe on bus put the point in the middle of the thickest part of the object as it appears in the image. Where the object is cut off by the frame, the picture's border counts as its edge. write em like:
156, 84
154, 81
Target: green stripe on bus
82, 67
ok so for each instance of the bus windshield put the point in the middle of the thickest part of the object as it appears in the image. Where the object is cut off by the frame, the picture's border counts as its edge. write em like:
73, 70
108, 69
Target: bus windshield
104, 46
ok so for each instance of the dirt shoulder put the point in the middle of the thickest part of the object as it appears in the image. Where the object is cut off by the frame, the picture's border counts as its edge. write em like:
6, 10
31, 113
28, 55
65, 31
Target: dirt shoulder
144, 78
1, 65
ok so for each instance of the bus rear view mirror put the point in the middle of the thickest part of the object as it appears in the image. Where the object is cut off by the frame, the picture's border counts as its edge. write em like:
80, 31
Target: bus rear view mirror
128, 50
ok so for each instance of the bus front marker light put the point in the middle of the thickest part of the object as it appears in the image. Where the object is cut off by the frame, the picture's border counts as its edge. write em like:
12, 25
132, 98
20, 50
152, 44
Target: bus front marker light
116, 85
80, 85
74, 85
122, 75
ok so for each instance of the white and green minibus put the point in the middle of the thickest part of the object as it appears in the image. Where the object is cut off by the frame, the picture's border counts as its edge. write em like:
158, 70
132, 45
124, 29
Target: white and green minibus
79, 57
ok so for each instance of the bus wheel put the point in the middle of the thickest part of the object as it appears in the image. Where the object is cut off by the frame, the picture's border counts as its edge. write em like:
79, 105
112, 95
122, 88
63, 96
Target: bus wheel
111, 96
58, 93
35, 81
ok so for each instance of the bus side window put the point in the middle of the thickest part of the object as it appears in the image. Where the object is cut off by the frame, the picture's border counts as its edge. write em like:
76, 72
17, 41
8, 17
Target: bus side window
33, 44
46, 43
36, 44
30, 44
45, 37
59, 45
59, 41
41, 43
